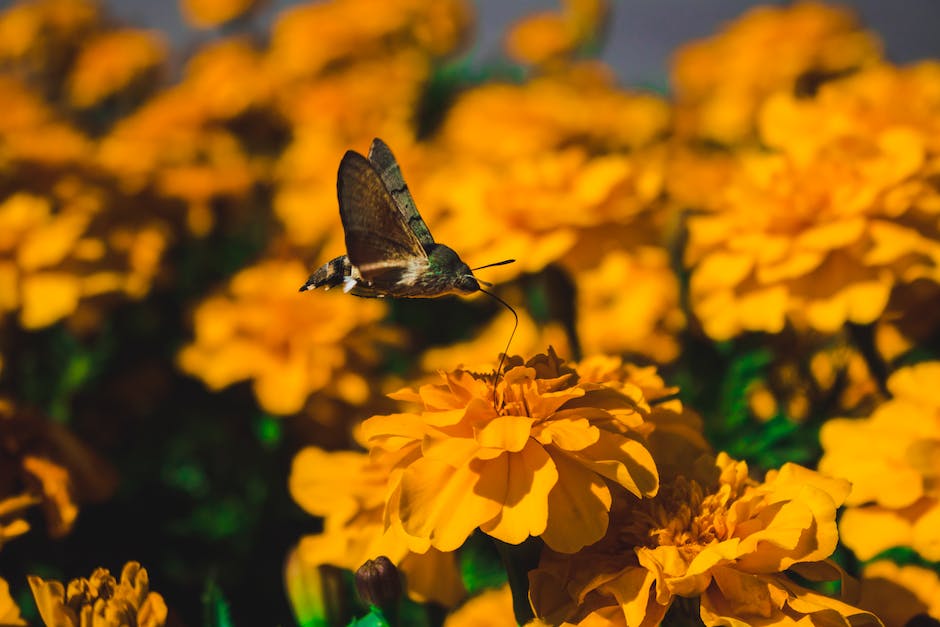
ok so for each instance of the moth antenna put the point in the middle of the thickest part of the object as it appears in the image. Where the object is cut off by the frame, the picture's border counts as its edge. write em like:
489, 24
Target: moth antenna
490, 265
482, 282
502, 358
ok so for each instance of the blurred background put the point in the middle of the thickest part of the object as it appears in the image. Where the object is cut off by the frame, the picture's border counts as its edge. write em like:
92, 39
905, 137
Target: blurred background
719, 190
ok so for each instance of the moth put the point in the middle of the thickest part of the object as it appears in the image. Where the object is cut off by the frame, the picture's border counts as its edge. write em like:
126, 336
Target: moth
389, 248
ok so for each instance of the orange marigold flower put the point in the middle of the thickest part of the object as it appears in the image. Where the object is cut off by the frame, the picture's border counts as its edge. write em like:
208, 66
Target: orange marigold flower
895, 499
31, 132
819, 232
9, 611
721, 537
896, 594
111, 603
109, 62
54, 468
644, 319
349, 489
288, 345
545, 37
573, 141
55, 253
210, 13
12, 509
534, 454
351, 29
491, 608
720, 82
34, 33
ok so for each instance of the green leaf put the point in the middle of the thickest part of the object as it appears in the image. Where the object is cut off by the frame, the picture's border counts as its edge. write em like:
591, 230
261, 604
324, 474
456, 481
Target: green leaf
215, 608
480, 564
375, 618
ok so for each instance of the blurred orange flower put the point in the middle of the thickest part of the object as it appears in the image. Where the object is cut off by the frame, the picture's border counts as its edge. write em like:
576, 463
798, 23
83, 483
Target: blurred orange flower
490, 608
31, 132
558, 440
720, 537
895, 499
54, 255
102, 599
523, 171
896, 594
348, 489
819, 231
110, 61
629, 303
9, 612
546, 37
289, 345
210, 13
721, 82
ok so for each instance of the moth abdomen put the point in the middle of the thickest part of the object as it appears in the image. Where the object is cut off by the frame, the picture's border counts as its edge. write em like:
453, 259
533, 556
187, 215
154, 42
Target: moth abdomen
334, 273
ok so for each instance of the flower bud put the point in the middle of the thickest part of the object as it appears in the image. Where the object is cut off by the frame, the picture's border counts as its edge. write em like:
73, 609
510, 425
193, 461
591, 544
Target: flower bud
378, 582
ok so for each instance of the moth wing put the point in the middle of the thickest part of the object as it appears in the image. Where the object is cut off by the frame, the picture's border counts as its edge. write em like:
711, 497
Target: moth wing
387, 166
378, 240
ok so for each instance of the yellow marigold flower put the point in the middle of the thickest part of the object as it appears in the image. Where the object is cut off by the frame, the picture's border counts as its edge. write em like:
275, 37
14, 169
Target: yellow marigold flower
562, 443
102, 598
9, 612
573, 141
289, 346
643, 319
227, 78
31, 32
54, 465
545, 37
11, 510
895, 499
491, 608
349, 29
348, 489
52, 255
110, 61
210, 13
896, 594
722, 537
720, 82
31, 132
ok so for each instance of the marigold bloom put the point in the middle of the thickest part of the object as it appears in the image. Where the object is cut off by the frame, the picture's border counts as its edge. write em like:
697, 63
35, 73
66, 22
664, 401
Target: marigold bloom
721, 81
721, 537
643, 318
545, 37
31, 132
210, 13
348, 490
895, 499
111, 61
896, 594
491, 608
288, 345
54, 255
574, 153
9, 612
819, 231
534, 454
101, 598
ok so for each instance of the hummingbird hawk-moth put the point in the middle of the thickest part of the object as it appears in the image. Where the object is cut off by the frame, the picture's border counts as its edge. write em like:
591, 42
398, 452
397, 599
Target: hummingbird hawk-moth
389, 248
